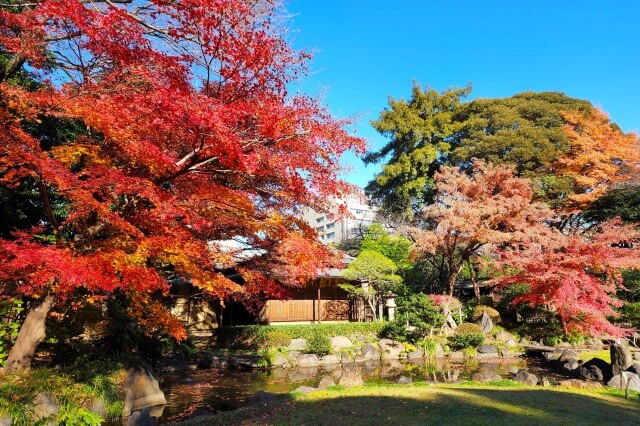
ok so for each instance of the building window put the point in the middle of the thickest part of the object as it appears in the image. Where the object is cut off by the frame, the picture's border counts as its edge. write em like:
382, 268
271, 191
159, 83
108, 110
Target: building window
319, 219
331, 225
331, 235
321, 228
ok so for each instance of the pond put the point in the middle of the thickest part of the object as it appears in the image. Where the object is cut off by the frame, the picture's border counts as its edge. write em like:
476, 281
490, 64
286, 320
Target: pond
227, 389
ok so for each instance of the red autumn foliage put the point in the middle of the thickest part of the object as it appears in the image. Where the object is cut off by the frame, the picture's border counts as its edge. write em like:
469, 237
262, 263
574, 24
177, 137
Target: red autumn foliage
191, 137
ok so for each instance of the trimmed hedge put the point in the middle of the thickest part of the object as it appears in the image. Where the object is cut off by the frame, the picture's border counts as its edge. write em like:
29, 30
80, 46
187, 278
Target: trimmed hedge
480, 309
255, 337
467, 327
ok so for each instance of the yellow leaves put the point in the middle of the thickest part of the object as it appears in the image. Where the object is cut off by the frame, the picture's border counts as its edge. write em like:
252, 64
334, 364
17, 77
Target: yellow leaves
85, 154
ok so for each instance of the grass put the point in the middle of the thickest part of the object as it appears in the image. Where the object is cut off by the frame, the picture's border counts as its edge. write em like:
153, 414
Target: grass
603, 355
18, 390
467, 404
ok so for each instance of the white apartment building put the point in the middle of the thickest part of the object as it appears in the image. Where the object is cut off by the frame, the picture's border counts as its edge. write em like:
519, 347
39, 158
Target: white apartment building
334, 228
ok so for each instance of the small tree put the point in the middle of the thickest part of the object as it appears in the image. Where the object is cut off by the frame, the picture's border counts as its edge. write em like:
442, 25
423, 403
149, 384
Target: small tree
377, 273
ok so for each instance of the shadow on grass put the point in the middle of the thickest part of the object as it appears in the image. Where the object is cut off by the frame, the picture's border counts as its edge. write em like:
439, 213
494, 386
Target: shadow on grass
449, 406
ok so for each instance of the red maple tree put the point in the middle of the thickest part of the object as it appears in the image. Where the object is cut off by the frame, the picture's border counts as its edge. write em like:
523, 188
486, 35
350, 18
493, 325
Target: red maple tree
190, 137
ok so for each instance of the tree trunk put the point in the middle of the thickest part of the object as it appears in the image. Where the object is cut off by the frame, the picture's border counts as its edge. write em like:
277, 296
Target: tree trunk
474, 281
31, 334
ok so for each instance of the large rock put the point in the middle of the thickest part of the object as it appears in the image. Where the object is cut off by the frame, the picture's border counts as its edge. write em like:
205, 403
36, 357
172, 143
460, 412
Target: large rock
567, 355
391, 349
485, 377
351, 375
215, 361
485, 322
308, 359
330, 359
404, 380
503, 336
571, 365
621, 358
594, 365
456, 356
526, 378
488, 349
44, 406
280, 361
369, 352
141, 390
580, 384
326, 382
245, 361
297, 345
621, 380
340, 342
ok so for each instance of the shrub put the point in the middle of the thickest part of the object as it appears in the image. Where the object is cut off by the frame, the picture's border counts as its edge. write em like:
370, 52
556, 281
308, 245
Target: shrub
631, 313
467, 340
396, 330
277, 338
470, 352
419, 312
319, 344
467, 327
429, 346
480, 309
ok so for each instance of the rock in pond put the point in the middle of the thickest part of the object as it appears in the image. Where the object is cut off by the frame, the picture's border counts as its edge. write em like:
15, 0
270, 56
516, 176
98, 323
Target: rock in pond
297, 345
351, 375
141, 390
308, 359
370, 352
391, 349
488, 349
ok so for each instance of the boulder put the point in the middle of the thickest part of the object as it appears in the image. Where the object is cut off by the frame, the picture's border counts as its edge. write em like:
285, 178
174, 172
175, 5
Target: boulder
486, 377
245, 361
141, 390
503, 336
526, 378
580, 384
553, 355
595, 369
621, 380
305, 389
404, 380
510, 343
417, 354
330, 359
351, 376
99, 406
391, 349
345, 357
261, 397
488, 349
456, 356
621, 358
215, 361
297, 345
280, 361
590, 372
567, 355
340, 342
485, 323
325, 382
44, 405
308, 359
369, 352
571, 365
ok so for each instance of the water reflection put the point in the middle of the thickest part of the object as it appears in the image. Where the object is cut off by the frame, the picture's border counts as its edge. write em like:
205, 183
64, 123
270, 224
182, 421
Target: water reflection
220, 390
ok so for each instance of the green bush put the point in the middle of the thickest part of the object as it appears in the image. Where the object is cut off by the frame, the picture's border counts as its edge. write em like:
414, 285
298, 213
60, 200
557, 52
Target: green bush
277, 338
319, 344
429, 347
467, 340
467, 327
419, 312
480, 309
631, 313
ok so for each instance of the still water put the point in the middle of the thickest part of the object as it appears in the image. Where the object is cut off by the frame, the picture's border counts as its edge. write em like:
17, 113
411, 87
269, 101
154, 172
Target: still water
227, 389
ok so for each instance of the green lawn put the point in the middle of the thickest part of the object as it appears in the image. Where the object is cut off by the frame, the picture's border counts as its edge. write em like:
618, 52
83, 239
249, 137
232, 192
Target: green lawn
471, 404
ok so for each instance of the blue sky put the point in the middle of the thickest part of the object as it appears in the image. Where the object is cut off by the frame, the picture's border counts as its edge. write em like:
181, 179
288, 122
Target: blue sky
368, 50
